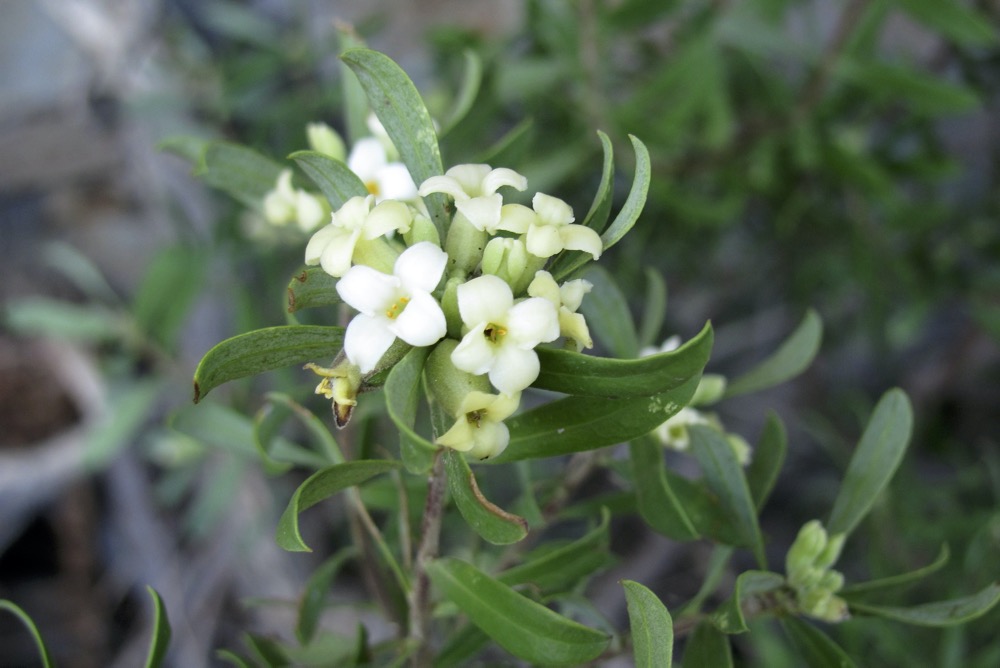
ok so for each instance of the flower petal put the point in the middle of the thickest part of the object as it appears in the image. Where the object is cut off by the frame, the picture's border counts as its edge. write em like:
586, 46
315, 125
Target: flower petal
502, 176
309, 211
470, 177
543, 285
322, 238
532, 321
543, 240
353, 213
422, 321
489, 440
368, 290
571, 293
366, 340
504, 406
389, 216
516, 218
336, 256
367, 158
459, 437
483, 212
421, 266
443, 184
395, 182
514, 369
474, 353
483, 300
552, 210
581, 238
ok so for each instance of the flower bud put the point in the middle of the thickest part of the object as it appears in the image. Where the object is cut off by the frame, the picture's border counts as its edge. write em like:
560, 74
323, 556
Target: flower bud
831, 552
711, 387
324, 139
447, 384
808, 545
464, 245
506, 258
422, 229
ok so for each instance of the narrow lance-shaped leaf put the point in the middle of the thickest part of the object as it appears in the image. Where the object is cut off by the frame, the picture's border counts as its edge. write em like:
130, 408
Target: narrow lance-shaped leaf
472, 77
243, 173
334, 179
953, 19
160, 640
313, 598
312, 287
655, 310
586, 375
608, 316
355, 102
402, 394
319, 486
874, 462
707, 648
575, 424
658, 504
493, 523
725, 477
939, 613
768, 458
397, 103
816, 647
788, 361
264, 350
901, 580
43, 651
651, 626
524, 628
729, 617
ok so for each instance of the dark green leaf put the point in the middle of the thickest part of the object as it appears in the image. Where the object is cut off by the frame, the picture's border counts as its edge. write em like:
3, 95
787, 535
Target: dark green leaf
707, 647
608, 316
939, 613
725, 477
334, 179
319, 486
564, 567
655, 310
585, 375
266, 426
264, 350
924, 93
160, 641
874, 462
524, 628
816, 647
268, 650
315, 427
658, 504
241, 172
43, 652
791, 359
313, 599
768, 458
575, 424
954, 20
402, 394
397, 103
651, 627
460, 647
472, 77
729, 617
231, 657
900, 580
312, 287
167, 291
493, 523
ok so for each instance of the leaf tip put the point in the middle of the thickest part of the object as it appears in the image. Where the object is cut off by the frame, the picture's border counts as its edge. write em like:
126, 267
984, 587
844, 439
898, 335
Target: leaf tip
197, 392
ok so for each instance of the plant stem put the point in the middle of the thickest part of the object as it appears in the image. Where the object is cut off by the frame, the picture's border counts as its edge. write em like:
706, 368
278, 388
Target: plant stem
430, 533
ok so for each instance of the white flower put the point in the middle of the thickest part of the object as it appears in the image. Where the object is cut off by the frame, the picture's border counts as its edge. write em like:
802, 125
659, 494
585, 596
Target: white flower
502, 335
674, 432
333, 246
669, 345
547, 227
479, 428
567, 299
474, 189
383, 179
393, 306
284, 204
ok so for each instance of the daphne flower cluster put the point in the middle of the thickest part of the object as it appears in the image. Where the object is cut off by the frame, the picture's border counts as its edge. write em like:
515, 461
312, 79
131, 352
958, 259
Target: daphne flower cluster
482, 299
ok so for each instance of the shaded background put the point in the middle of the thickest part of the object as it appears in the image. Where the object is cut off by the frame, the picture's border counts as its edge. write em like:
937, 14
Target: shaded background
842, 157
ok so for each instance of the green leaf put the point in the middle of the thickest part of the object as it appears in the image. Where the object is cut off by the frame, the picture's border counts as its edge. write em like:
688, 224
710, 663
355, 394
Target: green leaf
460, 647
232, 657
40, 316
493, 523
167, 291
655, 310
608, 316
313, 599
791, 359
924, 93
768, 458
874, 462
312, 287
724, 476
585, 375
160, 641
524, 628
562, 568
134, 403
402, 394
319, 486
334, 179
243, 173
954, 20
939, 613
271, 652
816, 647
659, 505
43, 652
651, 627
707, 647
355, 102
900, 580
576, 424
397, 103
729, 617
189, 147
472, 77
315, 427
264, 350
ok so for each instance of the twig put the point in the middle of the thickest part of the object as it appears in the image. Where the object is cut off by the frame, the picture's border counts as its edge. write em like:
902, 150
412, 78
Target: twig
430, 534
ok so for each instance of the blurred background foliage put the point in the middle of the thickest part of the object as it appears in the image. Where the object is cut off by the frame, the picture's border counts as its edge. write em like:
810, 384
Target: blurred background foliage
841, 156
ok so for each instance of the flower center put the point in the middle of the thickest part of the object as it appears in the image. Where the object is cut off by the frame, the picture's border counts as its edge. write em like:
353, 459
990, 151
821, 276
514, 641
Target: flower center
373, 188
475, 417
494, 333
396, 308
